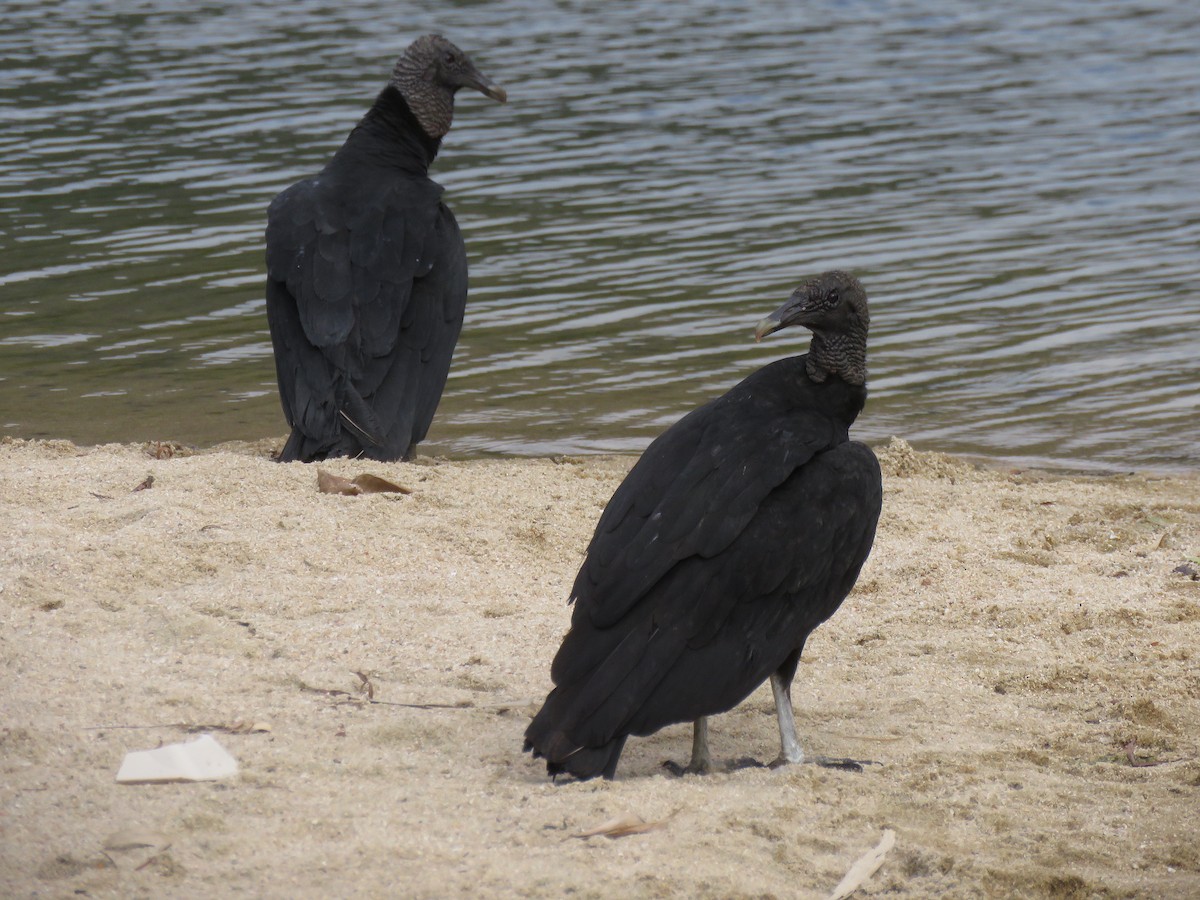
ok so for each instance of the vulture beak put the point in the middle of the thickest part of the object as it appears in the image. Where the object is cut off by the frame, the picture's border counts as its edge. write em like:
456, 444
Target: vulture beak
793, 312
483, 84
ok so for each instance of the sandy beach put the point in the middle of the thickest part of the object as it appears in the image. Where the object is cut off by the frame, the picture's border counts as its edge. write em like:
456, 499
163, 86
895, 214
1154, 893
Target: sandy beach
1019, 655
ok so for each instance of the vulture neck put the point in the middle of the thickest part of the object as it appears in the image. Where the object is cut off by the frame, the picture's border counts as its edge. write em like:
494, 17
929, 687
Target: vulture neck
390, 135
841, 354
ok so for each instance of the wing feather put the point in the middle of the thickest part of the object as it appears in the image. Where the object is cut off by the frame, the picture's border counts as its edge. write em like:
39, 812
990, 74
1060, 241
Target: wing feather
366, 268
689, 495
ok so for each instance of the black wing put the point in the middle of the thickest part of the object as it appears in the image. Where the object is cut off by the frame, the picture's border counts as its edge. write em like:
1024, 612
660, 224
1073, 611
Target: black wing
691, 494
736, 618
366, 284
409, 378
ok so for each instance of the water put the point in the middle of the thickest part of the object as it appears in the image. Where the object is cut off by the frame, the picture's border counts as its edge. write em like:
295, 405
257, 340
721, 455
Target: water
1016, 184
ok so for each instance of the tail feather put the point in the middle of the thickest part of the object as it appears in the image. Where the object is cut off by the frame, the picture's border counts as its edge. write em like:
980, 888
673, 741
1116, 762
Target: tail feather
564, 758
301, 447
582, 726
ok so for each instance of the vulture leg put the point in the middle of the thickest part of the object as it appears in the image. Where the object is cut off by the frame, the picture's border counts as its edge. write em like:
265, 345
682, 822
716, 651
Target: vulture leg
701, 763
790, 751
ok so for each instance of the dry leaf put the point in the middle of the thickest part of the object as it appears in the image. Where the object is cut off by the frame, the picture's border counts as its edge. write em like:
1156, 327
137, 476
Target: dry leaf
135, 839
160, 450
373, 484
623, 826
328, 483
864, 867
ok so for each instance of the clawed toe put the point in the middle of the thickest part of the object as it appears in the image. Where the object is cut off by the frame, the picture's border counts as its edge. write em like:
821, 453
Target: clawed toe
847, 765
826, 762
747, 762
691, 769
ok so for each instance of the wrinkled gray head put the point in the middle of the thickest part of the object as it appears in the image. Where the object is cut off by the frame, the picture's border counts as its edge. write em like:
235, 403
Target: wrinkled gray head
429, 73
833, 306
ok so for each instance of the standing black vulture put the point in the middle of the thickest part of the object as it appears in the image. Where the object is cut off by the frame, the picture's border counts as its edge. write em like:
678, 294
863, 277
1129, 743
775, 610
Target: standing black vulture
740, 530
367, 272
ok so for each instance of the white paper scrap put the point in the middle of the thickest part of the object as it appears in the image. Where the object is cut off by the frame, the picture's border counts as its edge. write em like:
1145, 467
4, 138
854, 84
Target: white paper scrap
200, 760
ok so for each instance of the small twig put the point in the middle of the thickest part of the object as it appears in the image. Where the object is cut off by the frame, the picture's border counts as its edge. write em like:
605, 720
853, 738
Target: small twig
190, 727
335, 692
464, 704
366, 685
134, 727
1131, 746
154, 858
349, 697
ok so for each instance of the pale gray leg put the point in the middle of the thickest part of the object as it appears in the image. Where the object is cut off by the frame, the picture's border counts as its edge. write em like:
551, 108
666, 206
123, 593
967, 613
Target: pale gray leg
790, 751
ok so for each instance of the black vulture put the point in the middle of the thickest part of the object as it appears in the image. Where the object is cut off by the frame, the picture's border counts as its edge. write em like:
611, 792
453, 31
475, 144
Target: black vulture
367, 272
739, 531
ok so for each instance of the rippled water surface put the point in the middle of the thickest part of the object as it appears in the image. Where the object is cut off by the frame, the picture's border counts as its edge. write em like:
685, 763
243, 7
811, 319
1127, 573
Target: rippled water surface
1016, 184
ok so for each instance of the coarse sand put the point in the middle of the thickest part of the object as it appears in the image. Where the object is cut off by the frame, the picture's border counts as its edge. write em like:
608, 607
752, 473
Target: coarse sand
1020, 655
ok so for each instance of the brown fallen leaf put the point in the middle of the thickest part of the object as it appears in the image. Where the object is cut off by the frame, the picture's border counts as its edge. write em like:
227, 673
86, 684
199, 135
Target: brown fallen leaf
328, 483
623, 826
147, 483
373, 484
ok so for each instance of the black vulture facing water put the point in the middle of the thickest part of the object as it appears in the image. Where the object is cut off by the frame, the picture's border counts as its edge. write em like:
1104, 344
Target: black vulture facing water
740, 530
367, 272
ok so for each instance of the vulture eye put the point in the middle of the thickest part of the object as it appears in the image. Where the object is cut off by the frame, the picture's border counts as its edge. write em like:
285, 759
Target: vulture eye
449, 57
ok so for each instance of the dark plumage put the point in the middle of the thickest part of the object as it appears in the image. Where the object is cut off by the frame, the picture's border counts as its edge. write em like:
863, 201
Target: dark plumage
740, 530
367, 272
